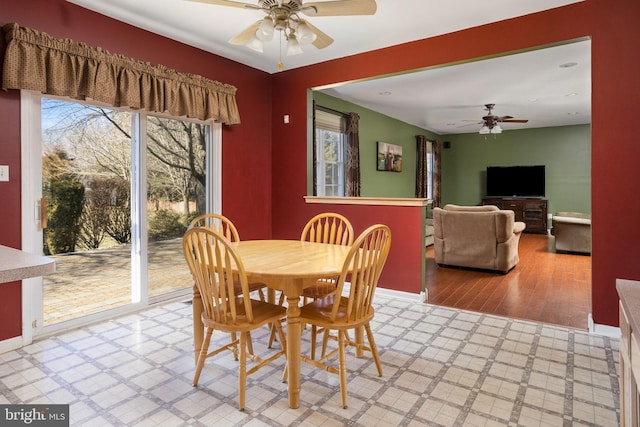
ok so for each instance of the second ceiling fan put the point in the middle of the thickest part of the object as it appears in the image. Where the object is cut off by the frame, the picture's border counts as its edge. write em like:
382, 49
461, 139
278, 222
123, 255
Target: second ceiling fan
283, 16
490, 122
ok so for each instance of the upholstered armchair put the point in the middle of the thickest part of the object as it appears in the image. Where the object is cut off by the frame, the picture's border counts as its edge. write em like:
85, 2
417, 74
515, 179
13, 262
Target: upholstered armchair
572, 231
482, 237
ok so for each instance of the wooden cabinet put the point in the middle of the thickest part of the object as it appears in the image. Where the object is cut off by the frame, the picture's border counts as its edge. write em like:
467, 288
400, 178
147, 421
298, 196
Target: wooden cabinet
533, 212
629, 292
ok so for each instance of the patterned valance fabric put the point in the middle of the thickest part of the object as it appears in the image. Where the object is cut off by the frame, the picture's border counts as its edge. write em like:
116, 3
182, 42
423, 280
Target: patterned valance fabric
39, 62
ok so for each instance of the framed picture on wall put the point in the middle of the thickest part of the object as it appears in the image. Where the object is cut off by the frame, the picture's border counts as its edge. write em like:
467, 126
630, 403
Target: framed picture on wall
389, 157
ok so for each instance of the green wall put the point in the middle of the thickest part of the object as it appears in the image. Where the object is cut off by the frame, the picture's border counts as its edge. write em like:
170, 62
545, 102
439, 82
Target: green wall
564, 150
378, 127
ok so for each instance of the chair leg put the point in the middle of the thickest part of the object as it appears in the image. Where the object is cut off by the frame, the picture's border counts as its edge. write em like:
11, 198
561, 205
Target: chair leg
272, 334
249, 343
242, 374
202, 356
234, 337
374, 348
283, 340
342, 344
314, 335
325, 340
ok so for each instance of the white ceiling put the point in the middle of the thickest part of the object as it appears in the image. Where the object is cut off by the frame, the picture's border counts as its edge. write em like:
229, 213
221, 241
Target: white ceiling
444, 100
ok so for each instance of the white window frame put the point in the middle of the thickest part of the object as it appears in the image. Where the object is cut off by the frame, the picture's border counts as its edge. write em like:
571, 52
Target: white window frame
430, 166
326, 121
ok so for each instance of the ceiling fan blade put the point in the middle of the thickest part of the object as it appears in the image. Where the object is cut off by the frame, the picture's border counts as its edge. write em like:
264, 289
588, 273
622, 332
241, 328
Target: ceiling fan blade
322, 40
470, 124
228, 3
246, 35
514, 121
339, 8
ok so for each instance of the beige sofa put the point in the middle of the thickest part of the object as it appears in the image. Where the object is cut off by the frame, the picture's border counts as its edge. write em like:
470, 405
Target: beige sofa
482, 237
428, 232
572, 231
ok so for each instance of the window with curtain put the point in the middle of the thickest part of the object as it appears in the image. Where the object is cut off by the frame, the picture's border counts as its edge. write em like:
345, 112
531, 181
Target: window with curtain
330, 137
430, 168
427, 169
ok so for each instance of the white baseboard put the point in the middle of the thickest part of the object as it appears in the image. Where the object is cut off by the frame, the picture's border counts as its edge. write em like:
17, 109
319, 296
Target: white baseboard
401, 295
390, 293
608, 331
10, 344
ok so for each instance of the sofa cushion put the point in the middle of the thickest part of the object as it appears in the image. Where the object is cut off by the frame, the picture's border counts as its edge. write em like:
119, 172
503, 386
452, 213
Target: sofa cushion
483, 208
469, 234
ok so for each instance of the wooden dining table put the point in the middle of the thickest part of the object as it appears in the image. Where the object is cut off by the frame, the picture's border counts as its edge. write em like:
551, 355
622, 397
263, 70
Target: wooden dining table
288, 266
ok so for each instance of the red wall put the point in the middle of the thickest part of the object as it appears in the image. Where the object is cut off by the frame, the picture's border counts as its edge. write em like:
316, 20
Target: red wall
264, 177
615, 34
246, 162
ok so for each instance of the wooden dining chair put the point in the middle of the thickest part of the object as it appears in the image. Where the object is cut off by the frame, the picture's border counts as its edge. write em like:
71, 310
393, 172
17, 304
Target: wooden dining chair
227, 306
339, 313
224, 226
325, 228
328, 227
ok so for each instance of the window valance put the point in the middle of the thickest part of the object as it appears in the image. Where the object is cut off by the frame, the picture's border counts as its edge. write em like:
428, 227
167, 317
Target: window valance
37, 61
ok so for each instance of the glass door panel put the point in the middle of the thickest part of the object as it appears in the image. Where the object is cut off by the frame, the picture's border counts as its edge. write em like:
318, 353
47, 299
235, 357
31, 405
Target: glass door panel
86, 181
176, 178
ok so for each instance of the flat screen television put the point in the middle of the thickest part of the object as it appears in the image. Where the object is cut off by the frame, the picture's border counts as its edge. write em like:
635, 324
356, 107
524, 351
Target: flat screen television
516, 181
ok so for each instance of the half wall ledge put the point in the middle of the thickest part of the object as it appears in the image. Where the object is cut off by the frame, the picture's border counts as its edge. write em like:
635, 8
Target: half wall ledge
380, 201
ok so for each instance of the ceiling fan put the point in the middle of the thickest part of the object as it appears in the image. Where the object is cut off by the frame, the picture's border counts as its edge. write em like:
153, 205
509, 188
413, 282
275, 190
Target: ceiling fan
283, 16
490, 122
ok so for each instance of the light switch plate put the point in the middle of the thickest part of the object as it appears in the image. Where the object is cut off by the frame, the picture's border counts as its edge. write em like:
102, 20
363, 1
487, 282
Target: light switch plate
4, 173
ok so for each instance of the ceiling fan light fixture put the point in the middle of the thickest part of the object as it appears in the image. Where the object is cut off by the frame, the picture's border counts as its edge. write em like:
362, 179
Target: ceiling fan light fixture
304, 34
265, 30
496, 129
293, 46
484, 130
255, 44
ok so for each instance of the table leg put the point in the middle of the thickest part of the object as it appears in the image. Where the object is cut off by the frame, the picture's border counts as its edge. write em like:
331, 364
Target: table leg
293, 350
198, 327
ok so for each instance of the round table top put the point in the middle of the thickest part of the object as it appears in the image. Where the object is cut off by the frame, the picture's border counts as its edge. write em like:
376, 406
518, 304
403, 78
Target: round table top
291, 258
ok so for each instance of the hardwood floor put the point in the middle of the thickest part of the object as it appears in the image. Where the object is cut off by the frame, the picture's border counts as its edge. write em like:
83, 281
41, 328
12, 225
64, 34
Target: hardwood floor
545, 286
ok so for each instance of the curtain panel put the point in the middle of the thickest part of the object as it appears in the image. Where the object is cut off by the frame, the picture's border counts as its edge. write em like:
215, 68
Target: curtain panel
422, 172
422, 168
62, 67
352, 188
437, 173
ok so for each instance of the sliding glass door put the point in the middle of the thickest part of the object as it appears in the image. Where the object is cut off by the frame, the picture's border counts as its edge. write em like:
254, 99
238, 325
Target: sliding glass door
112, 194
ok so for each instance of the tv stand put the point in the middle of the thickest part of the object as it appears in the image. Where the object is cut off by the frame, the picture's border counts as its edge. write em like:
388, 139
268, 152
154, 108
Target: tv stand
530, 210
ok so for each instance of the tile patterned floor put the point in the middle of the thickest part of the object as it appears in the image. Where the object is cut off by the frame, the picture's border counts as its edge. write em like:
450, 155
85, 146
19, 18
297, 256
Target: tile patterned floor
442, 367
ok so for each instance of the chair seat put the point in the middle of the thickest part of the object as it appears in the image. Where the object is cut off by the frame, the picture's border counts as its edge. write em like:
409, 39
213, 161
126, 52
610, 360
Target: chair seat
321, 289
253, 287
318, 312
263, 313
